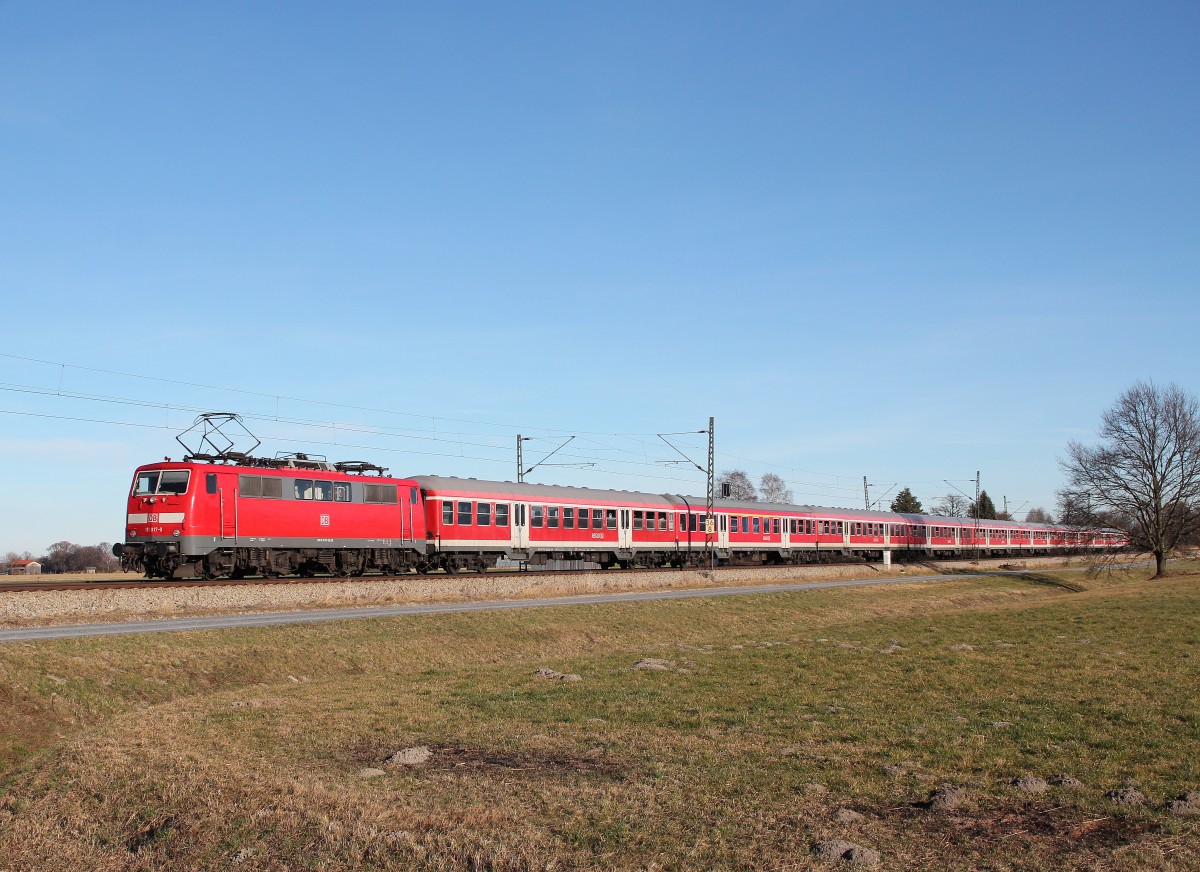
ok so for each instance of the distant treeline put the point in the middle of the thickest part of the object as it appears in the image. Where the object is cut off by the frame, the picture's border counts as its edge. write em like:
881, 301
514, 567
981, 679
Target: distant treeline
69, 557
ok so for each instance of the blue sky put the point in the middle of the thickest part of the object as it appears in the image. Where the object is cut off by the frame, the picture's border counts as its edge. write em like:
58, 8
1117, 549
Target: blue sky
907, 241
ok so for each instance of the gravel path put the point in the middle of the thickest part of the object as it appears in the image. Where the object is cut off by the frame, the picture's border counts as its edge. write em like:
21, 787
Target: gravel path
702, 585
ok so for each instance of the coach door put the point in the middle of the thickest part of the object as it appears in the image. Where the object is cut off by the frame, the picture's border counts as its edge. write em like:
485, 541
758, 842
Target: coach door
520, 526
624, 534
722, 531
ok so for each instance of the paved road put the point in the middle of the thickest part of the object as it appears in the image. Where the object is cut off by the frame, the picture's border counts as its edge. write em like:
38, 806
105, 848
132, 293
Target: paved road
270, 619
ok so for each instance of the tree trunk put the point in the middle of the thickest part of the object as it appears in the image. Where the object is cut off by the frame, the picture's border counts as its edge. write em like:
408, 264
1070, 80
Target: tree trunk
1160, 564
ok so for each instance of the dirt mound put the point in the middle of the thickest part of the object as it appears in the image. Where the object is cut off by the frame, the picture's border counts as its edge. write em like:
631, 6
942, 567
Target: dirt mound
947, 798
1130, 796
1187, 804
654, 664
841, 851
1066, 782
416, 756
554, 675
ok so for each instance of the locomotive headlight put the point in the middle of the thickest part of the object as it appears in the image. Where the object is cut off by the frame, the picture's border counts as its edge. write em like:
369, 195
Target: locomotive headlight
175, 533
132, 532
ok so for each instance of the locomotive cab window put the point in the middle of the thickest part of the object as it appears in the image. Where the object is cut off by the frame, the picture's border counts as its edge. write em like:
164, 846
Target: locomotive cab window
161, 481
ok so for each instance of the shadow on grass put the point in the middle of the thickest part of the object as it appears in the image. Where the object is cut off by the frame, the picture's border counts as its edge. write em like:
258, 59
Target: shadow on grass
1038, 578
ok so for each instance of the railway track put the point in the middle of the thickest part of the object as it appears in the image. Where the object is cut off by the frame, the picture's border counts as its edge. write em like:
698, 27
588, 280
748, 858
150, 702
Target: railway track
168, 584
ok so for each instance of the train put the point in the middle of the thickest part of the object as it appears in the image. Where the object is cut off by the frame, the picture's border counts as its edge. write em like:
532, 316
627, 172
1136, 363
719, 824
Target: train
298, 514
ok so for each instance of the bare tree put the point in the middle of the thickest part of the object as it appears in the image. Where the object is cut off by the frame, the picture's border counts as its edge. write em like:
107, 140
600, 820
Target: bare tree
773, 489
951, 506
740, 486
1038, 515
1145, 471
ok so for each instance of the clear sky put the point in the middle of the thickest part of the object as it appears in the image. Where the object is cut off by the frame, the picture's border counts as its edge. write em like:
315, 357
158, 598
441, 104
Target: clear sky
908, 241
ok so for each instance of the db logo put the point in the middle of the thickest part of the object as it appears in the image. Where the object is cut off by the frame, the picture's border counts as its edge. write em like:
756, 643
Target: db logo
152, 519
324, 520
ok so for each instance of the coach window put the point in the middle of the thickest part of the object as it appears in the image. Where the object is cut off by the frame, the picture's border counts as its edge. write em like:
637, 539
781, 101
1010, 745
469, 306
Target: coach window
637, 519
569, 518
341, 493
733, 523
663, 519
552, 517
692, 522
536, 514
775, 526
464, 513
304, 489
757, 529
610, 518
501, 514
447, 512
323, 490
483, 514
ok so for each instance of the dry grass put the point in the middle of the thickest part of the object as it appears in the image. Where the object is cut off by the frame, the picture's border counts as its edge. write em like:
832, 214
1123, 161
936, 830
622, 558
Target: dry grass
241, 748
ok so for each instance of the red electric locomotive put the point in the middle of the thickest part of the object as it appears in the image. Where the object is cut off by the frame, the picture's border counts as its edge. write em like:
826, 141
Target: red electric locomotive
294, 514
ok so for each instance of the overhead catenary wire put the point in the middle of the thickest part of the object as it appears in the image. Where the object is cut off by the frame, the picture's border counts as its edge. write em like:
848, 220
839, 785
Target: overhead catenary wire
638, 456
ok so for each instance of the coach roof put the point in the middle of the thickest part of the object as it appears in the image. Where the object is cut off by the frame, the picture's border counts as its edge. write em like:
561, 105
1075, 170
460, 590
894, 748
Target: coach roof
522, 491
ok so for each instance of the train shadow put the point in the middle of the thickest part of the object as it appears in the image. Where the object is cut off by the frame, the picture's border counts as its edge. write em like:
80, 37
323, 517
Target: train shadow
1031, 576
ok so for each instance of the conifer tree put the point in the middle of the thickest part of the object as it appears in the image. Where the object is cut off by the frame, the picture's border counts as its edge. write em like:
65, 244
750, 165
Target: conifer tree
906, 502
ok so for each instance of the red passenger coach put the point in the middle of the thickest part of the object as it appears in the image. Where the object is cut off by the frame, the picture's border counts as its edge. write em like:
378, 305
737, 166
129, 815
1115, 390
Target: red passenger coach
472, 523
290, 515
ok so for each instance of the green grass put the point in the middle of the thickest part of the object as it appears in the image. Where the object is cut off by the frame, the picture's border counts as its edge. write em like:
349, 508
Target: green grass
195, 750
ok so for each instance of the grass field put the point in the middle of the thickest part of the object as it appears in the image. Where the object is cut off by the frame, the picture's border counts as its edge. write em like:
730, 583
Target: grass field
244, 748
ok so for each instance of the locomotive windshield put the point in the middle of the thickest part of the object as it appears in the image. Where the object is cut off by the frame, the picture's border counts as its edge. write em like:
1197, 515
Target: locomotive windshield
161, 481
